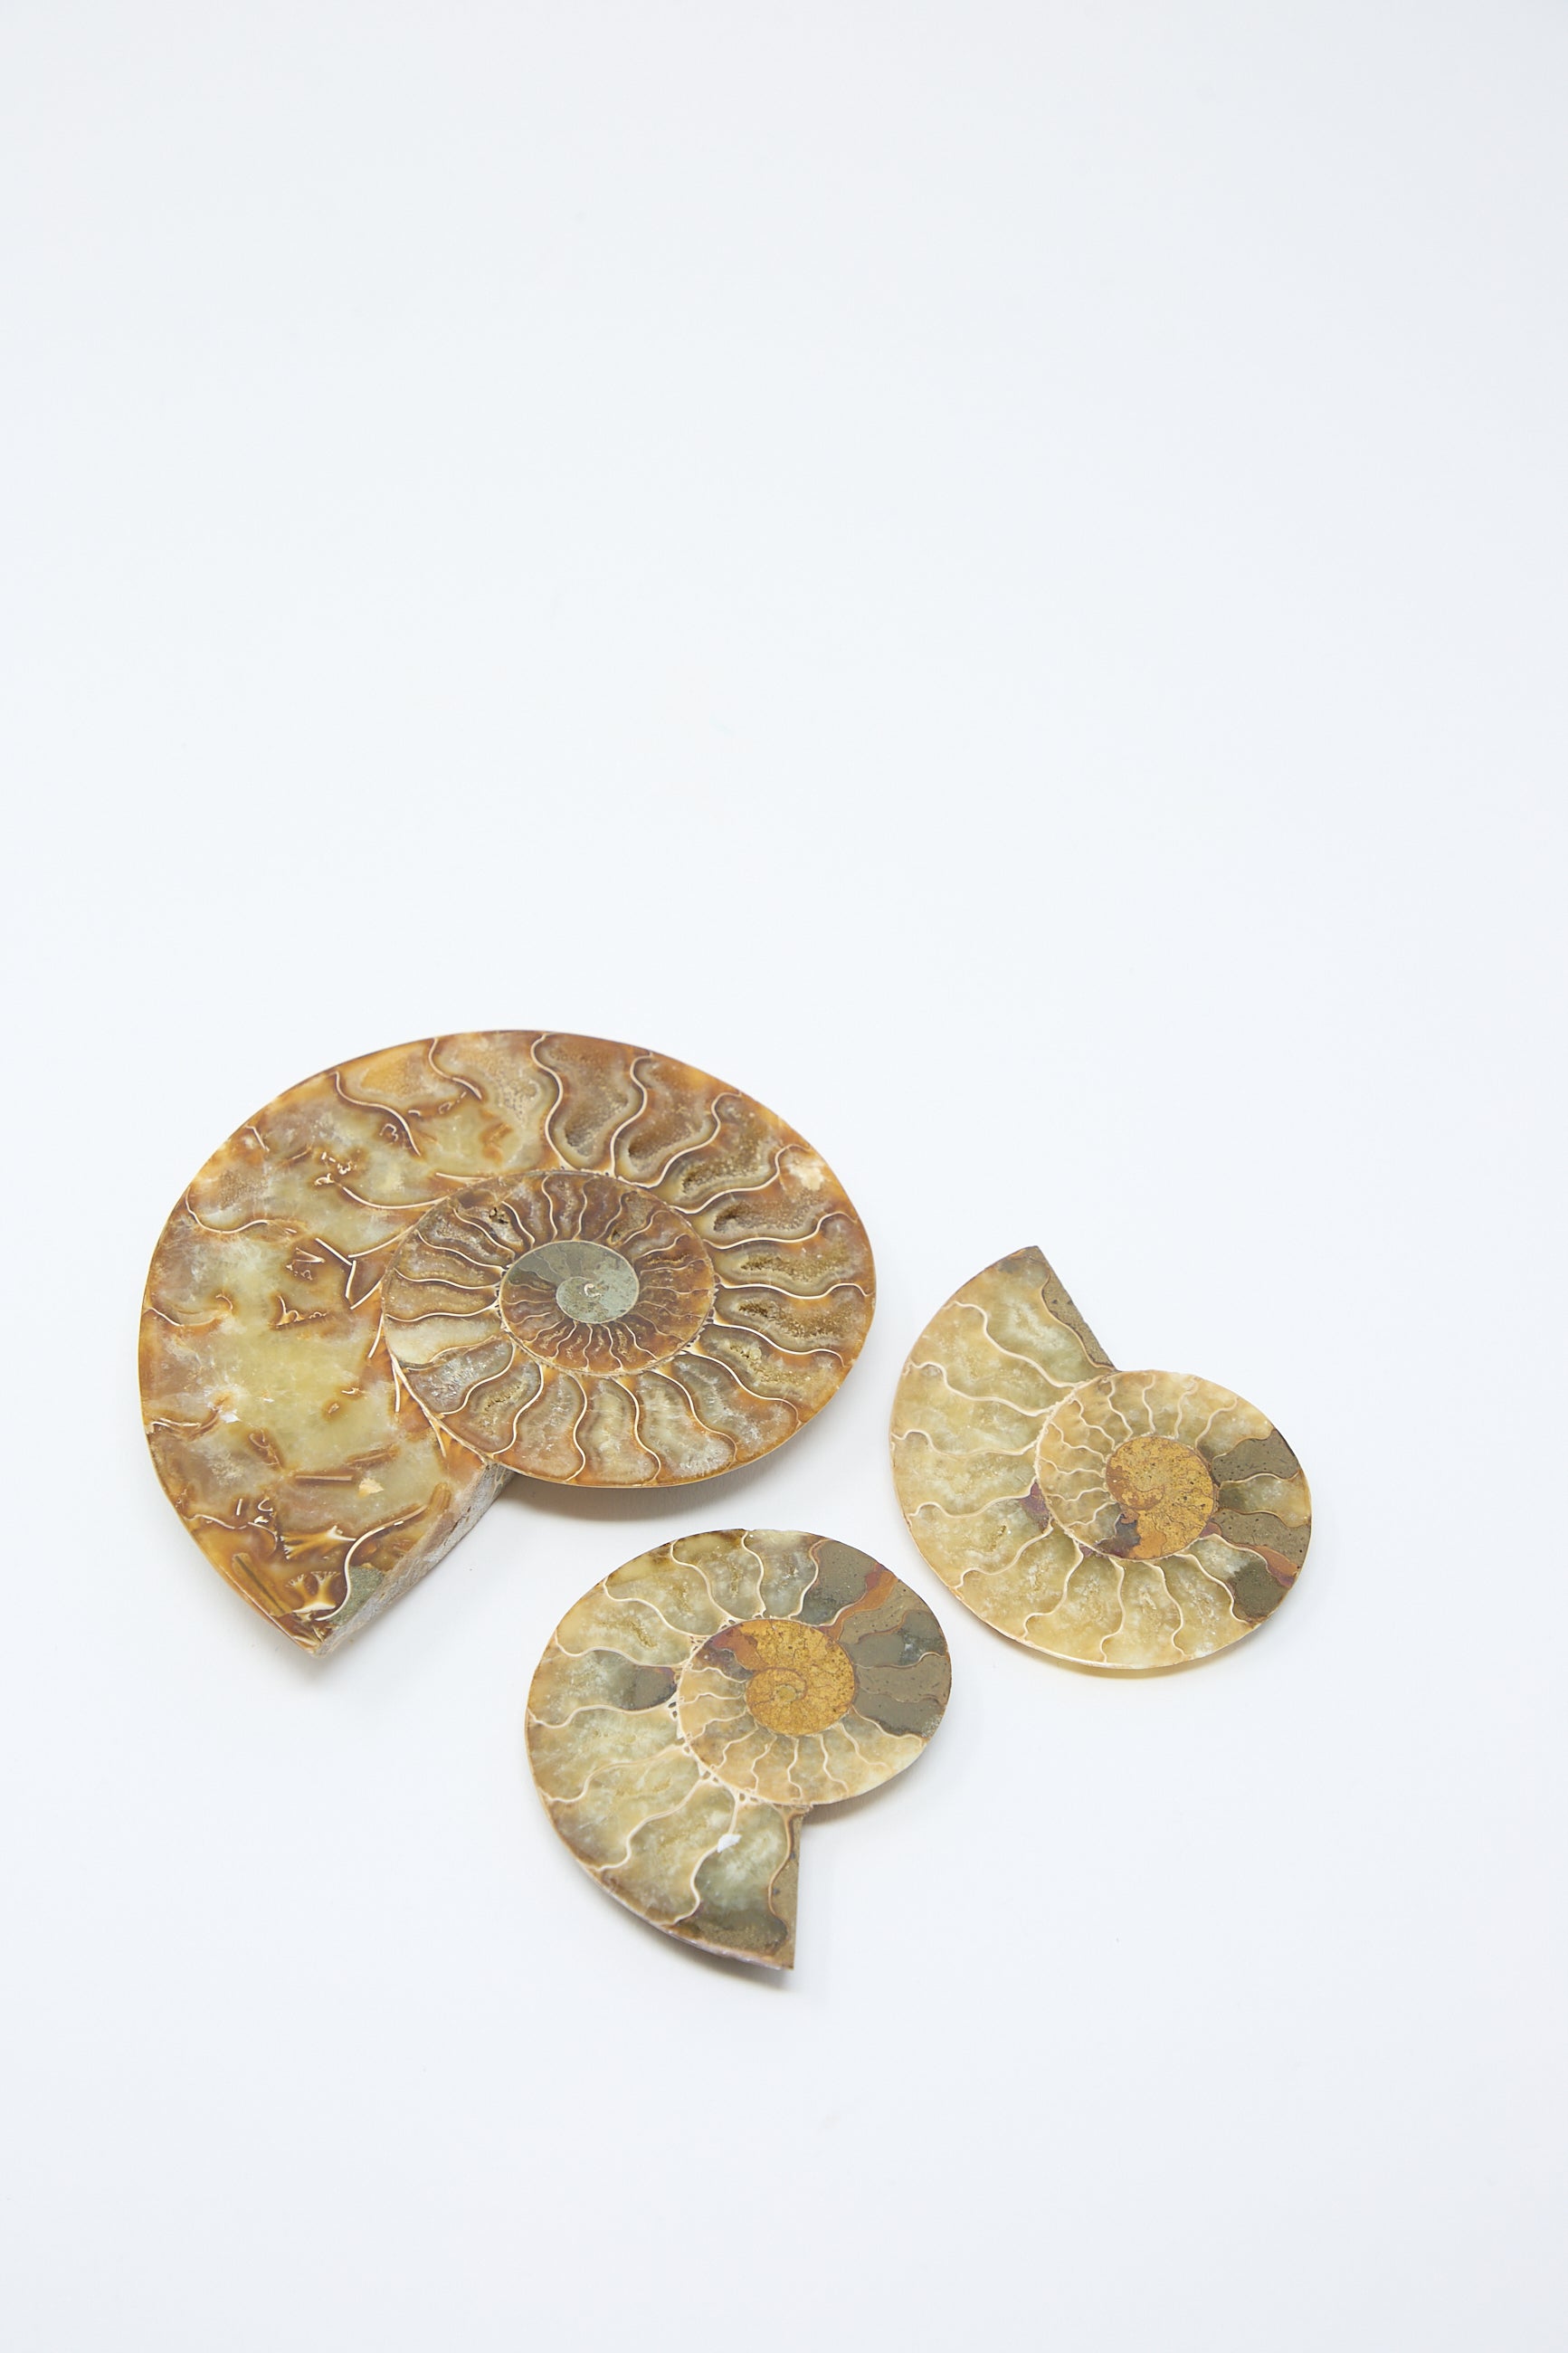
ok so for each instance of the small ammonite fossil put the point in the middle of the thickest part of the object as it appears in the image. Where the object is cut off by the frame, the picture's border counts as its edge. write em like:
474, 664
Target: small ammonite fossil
698, 1701
508, 1251
1124, 1520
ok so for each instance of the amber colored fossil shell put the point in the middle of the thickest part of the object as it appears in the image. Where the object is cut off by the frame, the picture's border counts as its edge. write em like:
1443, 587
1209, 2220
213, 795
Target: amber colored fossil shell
506, 1251
695, 1703
1125, 1520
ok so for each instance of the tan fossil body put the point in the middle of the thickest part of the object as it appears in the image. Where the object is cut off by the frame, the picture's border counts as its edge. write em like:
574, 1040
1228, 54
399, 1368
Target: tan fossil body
1121, 1520
698, 1701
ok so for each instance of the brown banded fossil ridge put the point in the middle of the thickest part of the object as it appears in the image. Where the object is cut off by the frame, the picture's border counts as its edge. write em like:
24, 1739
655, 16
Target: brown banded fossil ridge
694, 1705
419, 1271
1124, 1520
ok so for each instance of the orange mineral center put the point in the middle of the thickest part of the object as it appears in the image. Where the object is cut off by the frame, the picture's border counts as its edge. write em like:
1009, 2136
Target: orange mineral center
1166, 1489
804, 1680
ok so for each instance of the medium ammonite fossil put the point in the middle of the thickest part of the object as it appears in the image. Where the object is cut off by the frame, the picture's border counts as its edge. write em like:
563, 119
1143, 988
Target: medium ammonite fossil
695, 1703
504, 1251
1128, 1520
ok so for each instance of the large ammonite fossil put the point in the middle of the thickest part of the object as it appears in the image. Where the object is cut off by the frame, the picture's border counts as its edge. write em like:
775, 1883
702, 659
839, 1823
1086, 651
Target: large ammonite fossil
695, 1703
1128, 1520
505, 1250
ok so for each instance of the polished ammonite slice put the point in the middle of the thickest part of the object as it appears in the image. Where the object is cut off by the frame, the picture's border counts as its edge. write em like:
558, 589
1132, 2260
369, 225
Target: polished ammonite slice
692, 1708
1124, 1520
508, 1251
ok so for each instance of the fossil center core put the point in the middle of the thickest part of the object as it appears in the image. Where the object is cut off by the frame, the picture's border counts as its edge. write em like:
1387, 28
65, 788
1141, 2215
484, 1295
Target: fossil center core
1166, 1489
803, 1681
592, 1284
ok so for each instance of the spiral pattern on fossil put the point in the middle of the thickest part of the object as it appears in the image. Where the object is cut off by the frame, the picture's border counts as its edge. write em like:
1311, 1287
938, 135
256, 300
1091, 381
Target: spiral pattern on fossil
1124, 1520
418, 1272
695, 1705
494, 1288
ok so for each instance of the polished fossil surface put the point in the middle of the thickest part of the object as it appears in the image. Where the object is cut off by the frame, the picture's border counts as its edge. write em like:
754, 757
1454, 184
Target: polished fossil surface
1118, 1520
508, 1251
692, 1708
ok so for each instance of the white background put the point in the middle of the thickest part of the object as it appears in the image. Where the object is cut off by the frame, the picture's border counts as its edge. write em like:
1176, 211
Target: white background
994, 574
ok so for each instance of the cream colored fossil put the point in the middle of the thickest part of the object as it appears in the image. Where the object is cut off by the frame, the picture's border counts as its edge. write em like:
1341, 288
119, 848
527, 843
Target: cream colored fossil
694, 1705
1124, 1520
505, 1250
